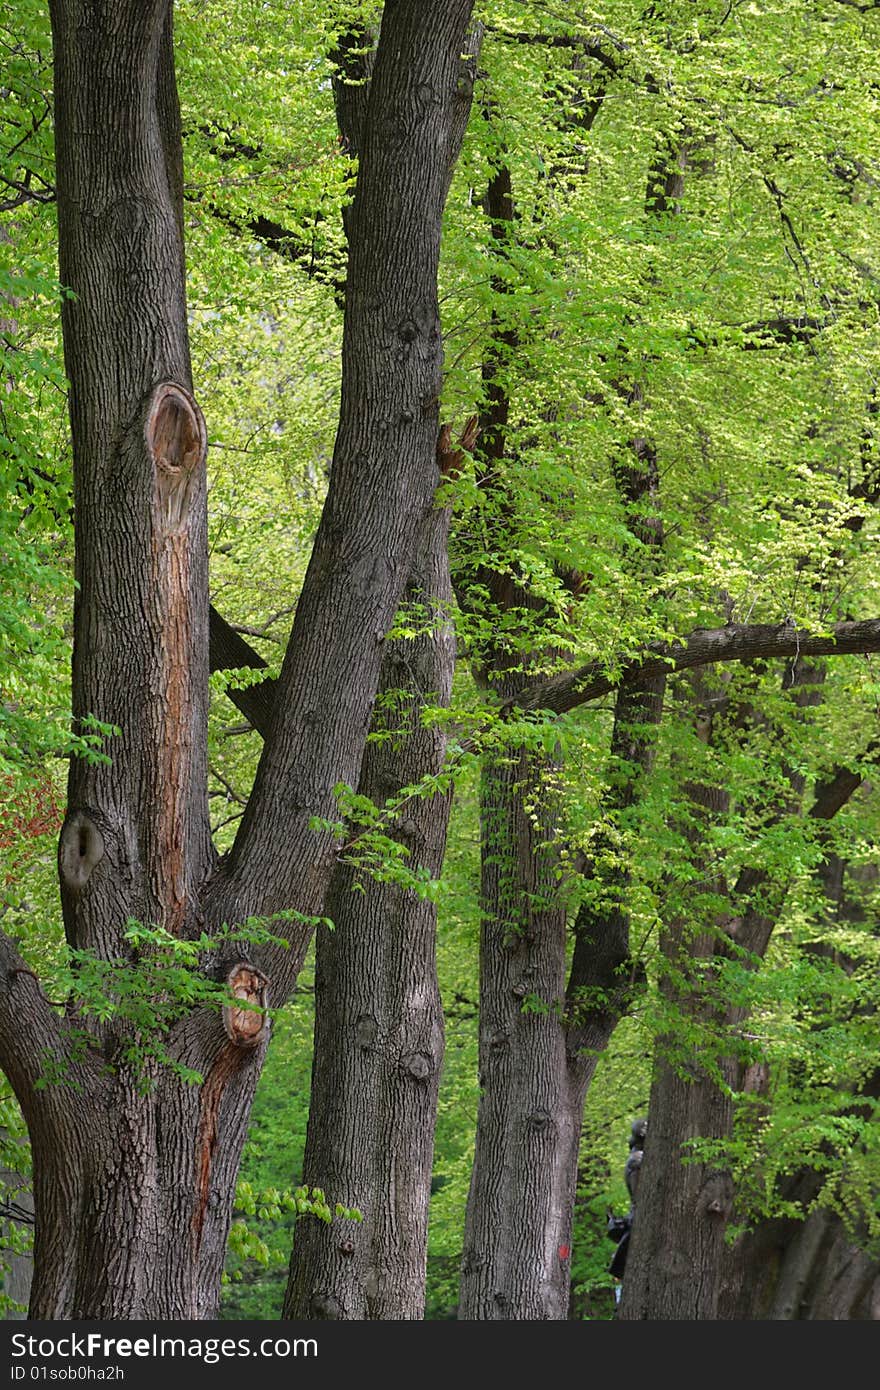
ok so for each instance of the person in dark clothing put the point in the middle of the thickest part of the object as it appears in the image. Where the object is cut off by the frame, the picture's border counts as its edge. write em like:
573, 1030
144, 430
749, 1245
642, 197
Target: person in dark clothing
619, 1227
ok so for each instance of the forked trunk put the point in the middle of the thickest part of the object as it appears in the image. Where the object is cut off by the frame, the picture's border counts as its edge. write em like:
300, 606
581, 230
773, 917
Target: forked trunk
134, 1164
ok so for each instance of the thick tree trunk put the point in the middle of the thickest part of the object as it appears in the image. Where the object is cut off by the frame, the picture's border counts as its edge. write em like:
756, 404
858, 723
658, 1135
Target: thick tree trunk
135, 841
134, 1168
383, 478
540, 1039
517, 1240
682, 1209
379, 1020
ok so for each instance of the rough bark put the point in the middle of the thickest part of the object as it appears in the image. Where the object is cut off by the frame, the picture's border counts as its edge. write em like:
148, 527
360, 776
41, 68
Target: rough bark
540, 1038
379, 1020
681, 1212
135, 842
517, 1241
794, 1271
382, 480
134, 1170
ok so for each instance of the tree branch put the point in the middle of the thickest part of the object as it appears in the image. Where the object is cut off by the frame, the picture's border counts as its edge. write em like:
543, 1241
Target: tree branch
702, 647
229, 651
832, 795
31, 1032
327, 267
570, 689
590, 48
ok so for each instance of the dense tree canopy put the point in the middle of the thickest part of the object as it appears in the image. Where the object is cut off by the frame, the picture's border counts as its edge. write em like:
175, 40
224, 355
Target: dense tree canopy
596, 568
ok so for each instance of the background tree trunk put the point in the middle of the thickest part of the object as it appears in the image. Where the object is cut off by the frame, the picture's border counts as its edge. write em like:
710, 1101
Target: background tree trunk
517, 1240
540, 1039
677, 1251
379, 1020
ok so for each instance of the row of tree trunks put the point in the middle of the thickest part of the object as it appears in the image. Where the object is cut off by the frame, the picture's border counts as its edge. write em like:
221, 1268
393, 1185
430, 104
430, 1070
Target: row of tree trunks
680, 1265
134, 1167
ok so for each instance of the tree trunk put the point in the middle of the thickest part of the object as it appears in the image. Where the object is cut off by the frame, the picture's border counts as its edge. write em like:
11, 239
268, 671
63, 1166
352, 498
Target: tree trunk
794, 1271
517, 1240
681, 1211
677, 1251
814, 1268
379, 1020
540, 1040
134, 1166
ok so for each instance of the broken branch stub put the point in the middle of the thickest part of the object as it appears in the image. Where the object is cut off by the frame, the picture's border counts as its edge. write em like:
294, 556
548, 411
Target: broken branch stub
246, 1024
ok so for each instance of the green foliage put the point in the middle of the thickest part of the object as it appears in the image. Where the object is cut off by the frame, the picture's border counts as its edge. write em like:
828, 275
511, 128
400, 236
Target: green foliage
759, 441
623, 322
368, 840
270, 1205
145, 992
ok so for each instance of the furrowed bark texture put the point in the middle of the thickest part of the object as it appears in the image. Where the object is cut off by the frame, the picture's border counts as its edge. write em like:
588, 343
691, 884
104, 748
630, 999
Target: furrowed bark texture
134, 1171
379, 1025
140, 640
379, 1021
680, 1213
114, 1168
517, 1231
382, 480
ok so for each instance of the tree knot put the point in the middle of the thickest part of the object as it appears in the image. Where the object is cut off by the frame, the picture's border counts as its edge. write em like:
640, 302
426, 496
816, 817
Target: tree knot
177, 441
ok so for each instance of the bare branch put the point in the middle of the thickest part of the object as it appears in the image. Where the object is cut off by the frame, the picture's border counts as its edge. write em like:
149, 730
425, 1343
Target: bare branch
230, 652
702, 647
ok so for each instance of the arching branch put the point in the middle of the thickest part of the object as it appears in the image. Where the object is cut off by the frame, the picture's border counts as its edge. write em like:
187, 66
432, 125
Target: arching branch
702, 647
